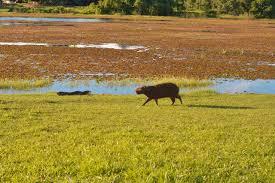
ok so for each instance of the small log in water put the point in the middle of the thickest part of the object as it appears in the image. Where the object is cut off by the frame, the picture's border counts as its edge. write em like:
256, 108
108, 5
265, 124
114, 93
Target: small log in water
74, 93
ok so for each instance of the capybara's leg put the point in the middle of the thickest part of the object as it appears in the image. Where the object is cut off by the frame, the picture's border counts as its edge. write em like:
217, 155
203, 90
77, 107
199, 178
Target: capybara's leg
156, 100
173, 100
148, 100
179, 98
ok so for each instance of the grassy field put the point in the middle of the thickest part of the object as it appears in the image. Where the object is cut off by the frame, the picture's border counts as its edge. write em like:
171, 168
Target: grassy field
102, 138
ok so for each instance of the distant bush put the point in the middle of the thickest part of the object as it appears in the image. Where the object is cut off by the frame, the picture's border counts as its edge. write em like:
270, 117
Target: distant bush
262, 8
91, 9
67, 2
185, 8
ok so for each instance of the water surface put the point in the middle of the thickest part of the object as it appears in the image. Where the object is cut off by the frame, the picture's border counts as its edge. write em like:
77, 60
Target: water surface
100, 45
230, 86
259, 86
32, 24
45, 19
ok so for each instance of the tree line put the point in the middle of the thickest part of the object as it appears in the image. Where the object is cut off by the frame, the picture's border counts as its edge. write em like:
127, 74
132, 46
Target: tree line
209, 8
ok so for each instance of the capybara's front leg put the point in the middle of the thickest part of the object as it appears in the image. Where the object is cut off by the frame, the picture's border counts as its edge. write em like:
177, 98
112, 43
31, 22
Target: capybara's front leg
148, 100
173, 100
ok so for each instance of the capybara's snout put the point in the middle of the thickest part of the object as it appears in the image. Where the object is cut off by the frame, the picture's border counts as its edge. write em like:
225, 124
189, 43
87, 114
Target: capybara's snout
139, 91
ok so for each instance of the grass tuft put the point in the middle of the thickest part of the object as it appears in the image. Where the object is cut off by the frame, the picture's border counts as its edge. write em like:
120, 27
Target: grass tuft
202, 92
24, 84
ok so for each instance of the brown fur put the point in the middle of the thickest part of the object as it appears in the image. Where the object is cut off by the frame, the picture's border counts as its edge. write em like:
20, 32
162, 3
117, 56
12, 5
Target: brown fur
165, 90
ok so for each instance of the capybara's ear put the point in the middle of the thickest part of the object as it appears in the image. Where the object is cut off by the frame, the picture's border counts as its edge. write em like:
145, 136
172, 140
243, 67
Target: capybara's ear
146, 89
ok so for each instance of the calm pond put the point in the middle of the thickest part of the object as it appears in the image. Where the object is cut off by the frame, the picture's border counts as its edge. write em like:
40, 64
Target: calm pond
230, 86
45, 19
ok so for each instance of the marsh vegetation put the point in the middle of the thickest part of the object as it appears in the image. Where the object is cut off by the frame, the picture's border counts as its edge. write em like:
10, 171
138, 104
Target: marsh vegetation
20, 84
193, 48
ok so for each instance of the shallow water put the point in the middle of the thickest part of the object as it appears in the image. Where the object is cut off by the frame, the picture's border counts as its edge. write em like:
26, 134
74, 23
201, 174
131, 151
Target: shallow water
22, 44
78, 85
259, 86
100, 46
108, 46
220, 85
31, 24
45, 19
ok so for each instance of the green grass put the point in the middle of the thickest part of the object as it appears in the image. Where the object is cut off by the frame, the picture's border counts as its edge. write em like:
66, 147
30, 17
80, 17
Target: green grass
4, 10
24, 84
102, 138
181, 82
236, 17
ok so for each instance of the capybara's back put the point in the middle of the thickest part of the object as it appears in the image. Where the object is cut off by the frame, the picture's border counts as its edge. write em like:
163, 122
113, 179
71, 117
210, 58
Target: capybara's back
166, 90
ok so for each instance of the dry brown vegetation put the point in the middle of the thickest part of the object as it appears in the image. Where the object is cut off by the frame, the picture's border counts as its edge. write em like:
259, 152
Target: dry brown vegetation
197, 48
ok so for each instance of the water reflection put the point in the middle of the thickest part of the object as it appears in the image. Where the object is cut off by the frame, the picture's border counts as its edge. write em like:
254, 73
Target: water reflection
108, 46
101, 45
45, 19
32, 24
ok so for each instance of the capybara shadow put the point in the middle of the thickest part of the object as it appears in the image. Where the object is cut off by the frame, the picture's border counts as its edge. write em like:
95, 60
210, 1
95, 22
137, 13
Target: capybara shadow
74, 93
165, 90
221, 107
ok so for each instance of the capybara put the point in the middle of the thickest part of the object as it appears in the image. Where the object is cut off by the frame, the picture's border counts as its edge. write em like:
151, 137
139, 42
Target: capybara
74, 93
165, 90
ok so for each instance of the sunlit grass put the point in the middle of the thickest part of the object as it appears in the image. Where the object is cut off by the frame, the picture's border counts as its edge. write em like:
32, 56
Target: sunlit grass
203, 91
104, 138
239, 17
4, 10
24, 84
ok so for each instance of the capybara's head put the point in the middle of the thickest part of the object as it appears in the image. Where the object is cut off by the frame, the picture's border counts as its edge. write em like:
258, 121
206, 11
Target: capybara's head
141, 90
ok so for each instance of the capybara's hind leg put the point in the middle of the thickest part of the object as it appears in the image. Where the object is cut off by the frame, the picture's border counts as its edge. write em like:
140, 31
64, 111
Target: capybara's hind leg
156, 100
173, 100
148, 100
179, 97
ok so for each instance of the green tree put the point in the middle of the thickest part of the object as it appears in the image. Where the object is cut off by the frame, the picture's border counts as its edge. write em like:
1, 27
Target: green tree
178, 7
67, 2
116, 6
259, 8
142, 7
232, 7
246, 5
273, 9
262, 8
